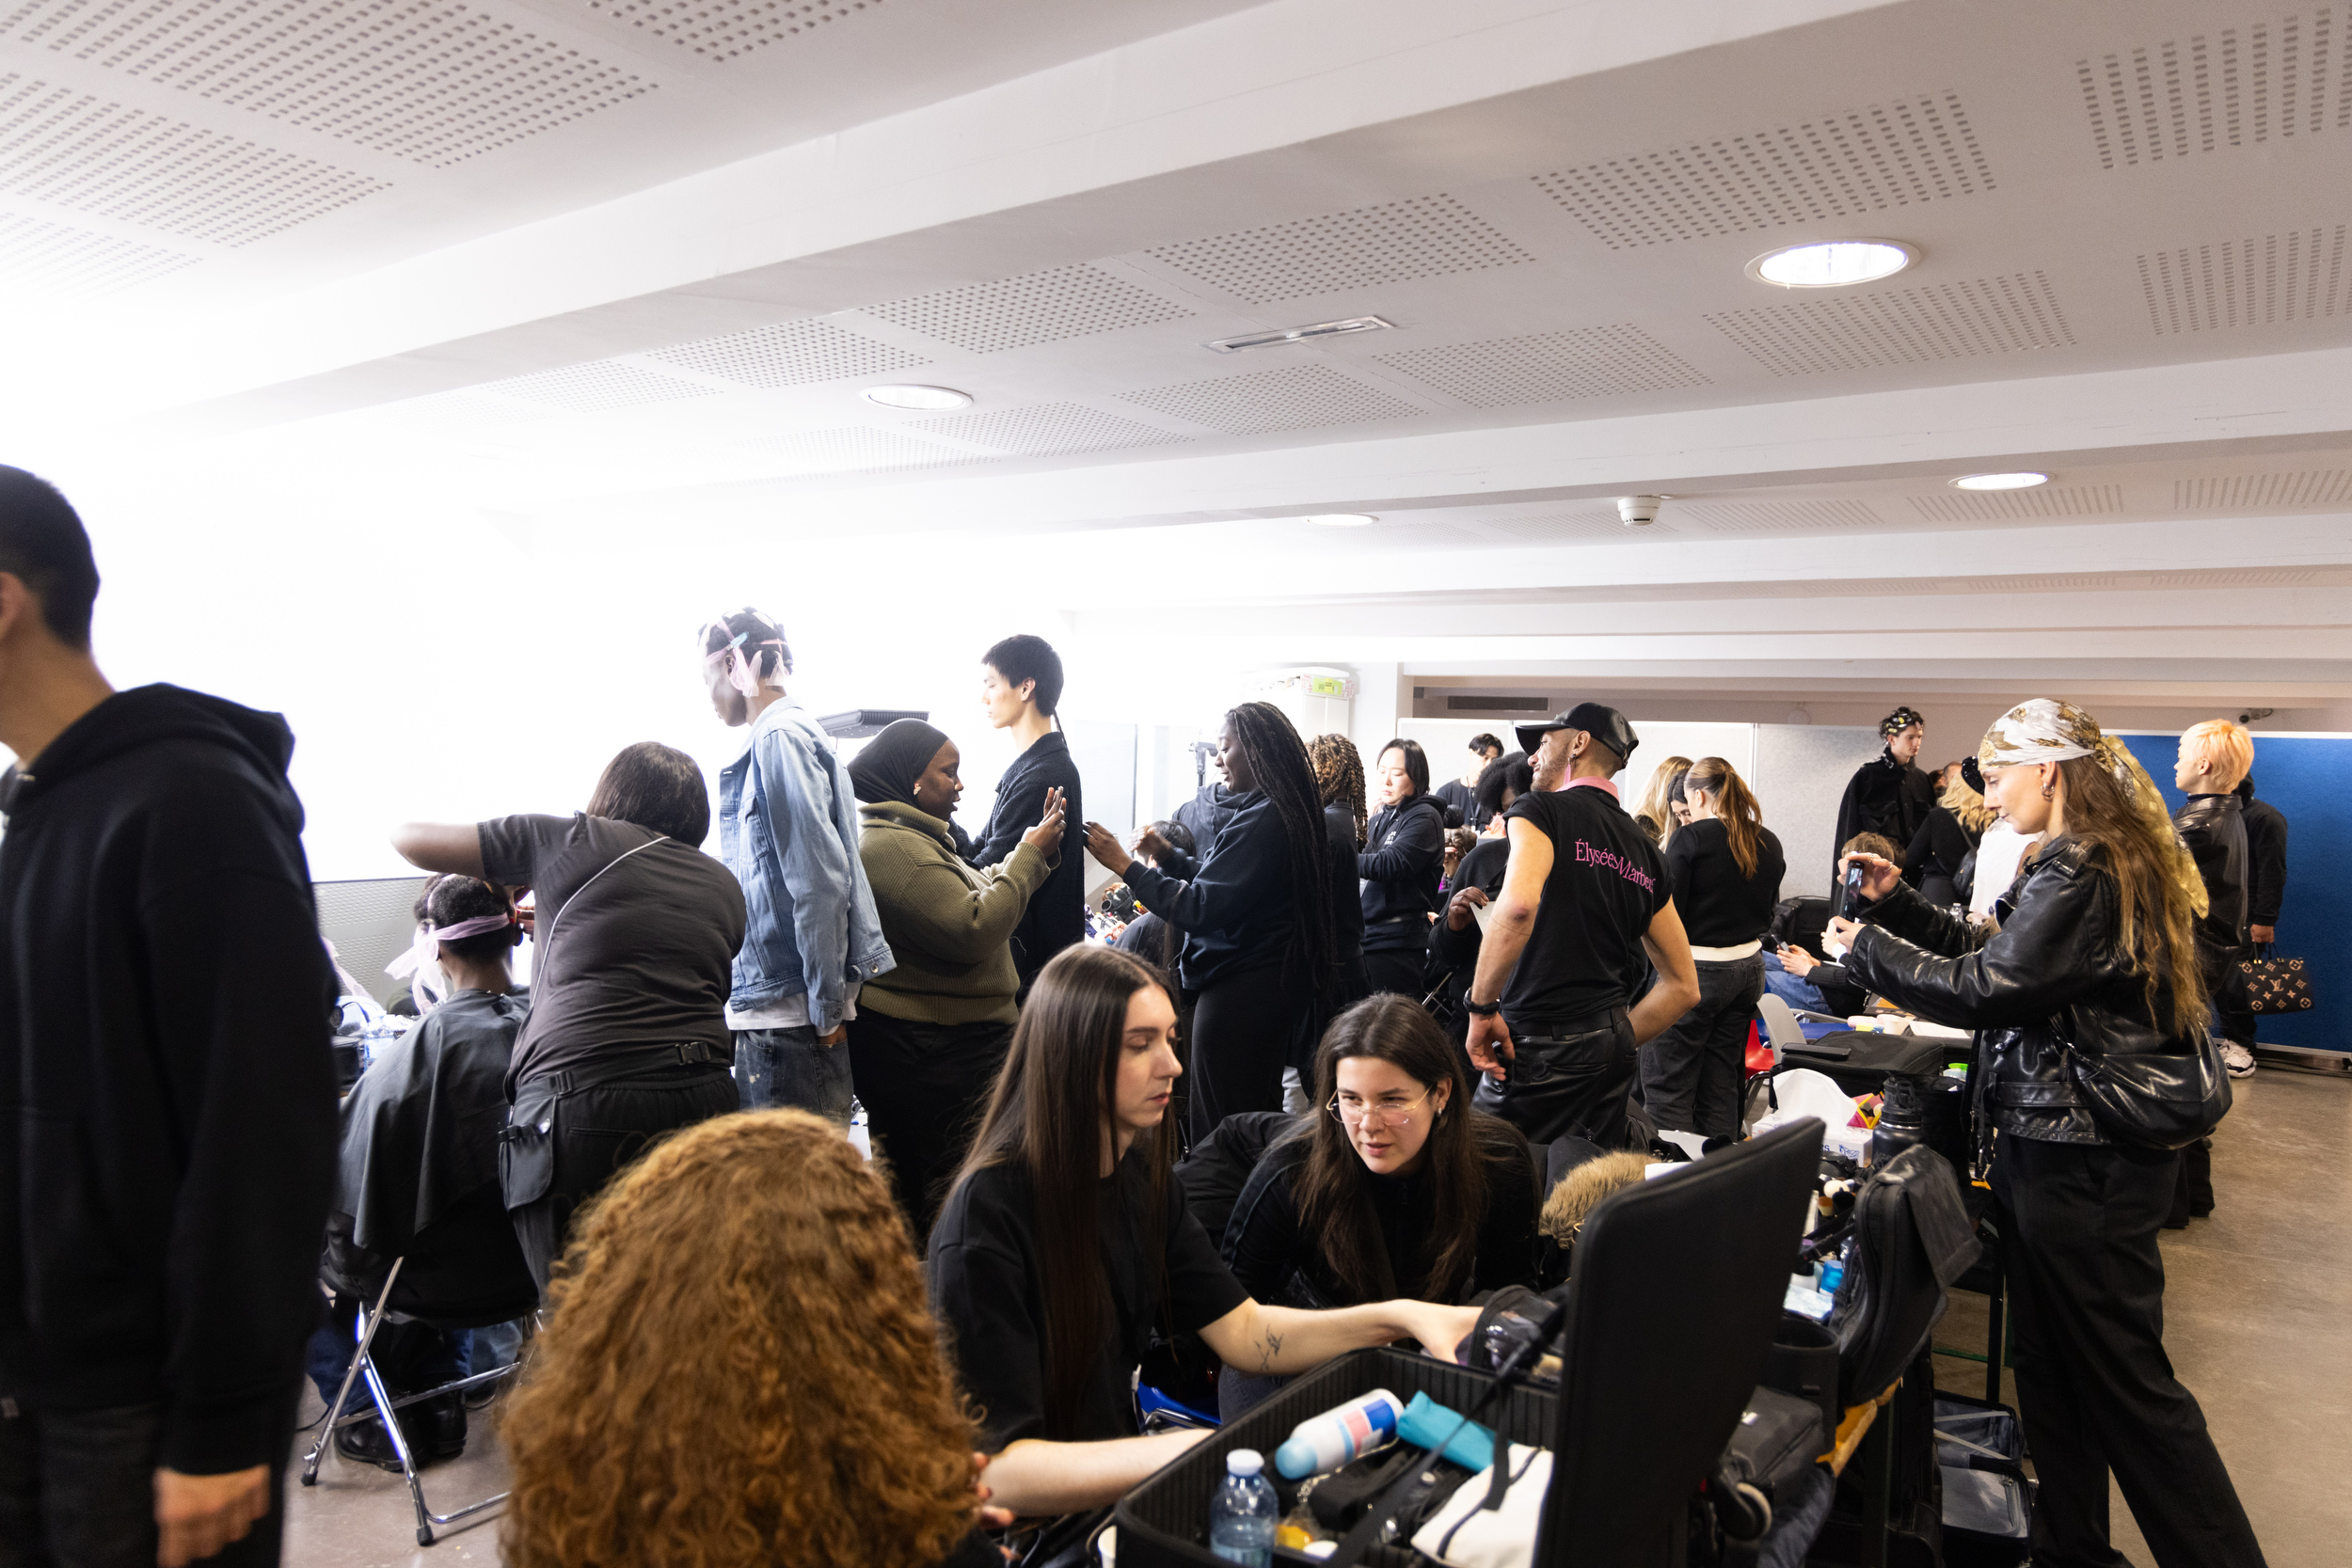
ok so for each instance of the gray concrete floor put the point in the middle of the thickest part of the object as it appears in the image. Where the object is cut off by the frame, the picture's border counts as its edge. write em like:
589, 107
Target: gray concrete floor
2255, 1300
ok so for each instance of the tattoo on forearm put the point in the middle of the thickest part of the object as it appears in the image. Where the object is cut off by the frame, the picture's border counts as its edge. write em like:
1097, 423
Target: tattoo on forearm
1269, 1346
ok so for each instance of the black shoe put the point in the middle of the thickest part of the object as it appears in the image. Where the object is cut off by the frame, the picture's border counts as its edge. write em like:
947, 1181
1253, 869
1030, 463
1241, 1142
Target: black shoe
365, 1443
443, 1427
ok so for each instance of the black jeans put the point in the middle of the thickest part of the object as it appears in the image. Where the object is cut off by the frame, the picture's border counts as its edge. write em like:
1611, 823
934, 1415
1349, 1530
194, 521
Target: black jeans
1691, 1074
924, 1087
594, 1131
77, 1490
1566, 1078
2094, 1387
1243, 1031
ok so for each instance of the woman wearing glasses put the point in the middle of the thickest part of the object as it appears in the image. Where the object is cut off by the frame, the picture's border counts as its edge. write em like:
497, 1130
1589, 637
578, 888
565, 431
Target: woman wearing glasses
1391, 1185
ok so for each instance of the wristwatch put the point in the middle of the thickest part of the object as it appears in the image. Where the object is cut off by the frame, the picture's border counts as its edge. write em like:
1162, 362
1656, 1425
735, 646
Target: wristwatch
1484, 1009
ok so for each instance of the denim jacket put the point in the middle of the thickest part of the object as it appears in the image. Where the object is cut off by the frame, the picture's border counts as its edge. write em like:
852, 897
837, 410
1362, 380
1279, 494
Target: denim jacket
788, 830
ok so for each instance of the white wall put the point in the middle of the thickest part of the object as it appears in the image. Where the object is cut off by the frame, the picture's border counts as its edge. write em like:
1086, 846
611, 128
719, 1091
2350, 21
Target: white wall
1800, 776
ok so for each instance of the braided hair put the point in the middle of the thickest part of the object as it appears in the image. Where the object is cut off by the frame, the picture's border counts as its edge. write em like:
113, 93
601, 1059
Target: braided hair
1279, 759
1339, 776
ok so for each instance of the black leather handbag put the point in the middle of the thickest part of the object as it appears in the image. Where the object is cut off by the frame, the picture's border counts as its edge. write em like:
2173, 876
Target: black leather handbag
2276, 984
2154, 1101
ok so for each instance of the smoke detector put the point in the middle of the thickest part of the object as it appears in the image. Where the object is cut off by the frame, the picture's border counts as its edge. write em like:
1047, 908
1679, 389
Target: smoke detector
1639, 511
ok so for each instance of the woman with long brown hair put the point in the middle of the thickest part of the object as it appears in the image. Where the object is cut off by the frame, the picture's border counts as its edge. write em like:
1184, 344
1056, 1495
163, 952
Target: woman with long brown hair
1727, 868
1064, 1242
1389, 1184
2094, 1067
1656, 815
738, 1372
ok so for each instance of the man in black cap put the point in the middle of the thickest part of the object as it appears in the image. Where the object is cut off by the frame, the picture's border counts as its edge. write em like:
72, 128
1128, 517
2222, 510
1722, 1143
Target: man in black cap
1889, 794
1584, 895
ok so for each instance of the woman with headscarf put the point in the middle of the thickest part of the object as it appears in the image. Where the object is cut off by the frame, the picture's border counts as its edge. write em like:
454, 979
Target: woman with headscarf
930, 1034
2095, 1066
1889, 793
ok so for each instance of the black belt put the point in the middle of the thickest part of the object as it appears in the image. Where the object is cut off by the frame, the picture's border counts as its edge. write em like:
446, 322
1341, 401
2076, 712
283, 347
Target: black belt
640, 1059
1562, 1028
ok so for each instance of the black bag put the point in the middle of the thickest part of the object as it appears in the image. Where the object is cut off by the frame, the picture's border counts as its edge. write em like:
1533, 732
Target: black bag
1779, 1439
2151, 1099
2276, 984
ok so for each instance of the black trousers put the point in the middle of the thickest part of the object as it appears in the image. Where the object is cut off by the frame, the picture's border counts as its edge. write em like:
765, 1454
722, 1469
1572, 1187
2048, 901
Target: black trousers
600, 1129
1693, 1071
1396, 969
77, 1490
1566, 1078
2094, 1387
924, 1087
1244, 1029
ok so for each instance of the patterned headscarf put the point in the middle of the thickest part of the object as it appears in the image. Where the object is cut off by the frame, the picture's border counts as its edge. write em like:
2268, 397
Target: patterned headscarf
2045, 730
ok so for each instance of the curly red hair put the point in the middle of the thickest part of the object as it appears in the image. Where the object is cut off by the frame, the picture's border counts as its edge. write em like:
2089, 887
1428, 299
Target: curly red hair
740, 1368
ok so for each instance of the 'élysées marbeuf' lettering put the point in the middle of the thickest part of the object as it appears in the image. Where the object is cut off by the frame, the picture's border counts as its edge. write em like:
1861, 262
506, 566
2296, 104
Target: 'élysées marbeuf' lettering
1586, 854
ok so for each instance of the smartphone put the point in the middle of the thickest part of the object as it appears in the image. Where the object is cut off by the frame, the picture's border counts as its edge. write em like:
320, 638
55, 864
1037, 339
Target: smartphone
1850, 909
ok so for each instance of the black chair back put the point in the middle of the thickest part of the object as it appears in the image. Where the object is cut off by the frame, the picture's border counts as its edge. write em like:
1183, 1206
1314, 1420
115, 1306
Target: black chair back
1677, 1294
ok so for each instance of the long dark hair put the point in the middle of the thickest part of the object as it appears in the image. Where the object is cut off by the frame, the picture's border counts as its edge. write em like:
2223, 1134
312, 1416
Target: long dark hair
1279, 759
1335, 1190
1045, 1119
1338, 776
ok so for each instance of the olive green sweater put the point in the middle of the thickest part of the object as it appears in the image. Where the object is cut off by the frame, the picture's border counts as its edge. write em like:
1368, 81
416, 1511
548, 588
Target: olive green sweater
950, 924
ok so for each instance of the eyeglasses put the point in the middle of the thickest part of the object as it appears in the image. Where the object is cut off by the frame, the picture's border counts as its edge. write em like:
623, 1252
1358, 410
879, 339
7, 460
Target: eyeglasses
1358, 1112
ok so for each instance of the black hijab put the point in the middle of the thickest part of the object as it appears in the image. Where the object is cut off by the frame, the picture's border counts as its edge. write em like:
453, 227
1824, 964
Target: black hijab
891, 761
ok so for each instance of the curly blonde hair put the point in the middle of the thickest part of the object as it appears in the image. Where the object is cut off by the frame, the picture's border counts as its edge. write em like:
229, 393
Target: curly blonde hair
740, 1368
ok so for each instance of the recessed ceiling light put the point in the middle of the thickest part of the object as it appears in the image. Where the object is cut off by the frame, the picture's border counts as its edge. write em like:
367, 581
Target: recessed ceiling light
1299, 334
2000, 482
1832, 264
927, 398
1342, 519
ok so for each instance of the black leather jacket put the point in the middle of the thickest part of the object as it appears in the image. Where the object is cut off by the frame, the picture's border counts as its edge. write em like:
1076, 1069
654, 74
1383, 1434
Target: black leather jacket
2214, 828
2055, 973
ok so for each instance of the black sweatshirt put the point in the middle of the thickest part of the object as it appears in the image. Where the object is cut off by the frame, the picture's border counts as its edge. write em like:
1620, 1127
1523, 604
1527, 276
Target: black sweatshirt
1347, 913
167, 1089
1235, 911
1402, 862
1719, 907
1056, 915
2266, 860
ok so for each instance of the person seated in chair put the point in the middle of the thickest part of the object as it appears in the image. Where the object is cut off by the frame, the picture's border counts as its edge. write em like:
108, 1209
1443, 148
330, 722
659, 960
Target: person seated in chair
1064, 1242
1391, 1185
1808, 981
418, 1180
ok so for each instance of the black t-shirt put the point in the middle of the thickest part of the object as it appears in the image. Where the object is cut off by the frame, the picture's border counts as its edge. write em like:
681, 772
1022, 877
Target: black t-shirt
1464, 799
1608, 881
1719, 907
984, 1287
645, 960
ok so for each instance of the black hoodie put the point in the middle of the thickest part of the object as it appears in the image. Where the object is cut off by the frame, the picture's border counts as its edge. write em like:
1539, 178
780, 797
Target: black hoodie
166, 1090
1402, 862
1056, 916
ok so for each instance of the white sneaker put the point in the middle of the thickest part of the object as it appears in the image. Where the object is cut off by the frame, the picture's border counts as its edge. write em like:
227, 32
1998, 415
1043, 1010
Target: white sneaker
2239, 1060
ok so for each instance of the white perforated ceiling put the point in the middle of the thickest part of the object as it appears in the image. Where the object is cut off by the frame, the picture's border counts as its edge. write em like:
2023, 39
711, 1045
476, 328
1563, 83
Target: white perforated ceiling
722, 30
1300, 397
1901, 325
600, 385
436, 80
854, 448
790, 354
1777, 517
1871, 160
1034, 308
1427, 236
1548, 366
87, 155
2326, 487
50, 260
2267, 78
2299, 275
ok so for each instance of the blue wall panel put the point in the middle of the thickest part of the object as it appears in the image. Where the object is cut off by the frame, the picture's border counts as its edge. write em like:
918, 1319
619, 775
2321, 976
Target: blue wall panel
2306, 779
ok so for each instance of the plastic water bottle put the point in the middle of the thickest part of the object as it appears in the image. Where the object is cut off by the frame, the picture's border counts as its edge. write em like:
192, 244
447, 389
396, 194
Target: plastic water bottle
1243, 1513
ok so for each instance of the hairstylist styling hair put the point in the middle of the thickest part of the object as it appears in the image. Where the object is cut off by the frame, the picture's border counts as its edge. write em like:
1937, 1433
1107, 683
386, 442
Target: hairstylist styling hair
1065, 1243
1402, 862
1726, 867
1584, 897
1021, 684
1257, 919
930, 1035
1889, 793
788, 830
2093, 970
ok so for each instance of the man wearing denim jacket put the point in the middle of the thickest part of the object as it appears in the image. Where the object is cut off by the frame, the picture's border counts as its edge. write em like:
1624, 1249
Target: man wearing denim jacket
788, 830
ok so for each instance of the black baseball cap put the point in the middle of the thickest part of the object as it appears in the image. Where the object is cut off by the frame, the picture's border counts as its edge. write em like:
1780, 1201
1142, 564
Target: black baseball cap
1605, 724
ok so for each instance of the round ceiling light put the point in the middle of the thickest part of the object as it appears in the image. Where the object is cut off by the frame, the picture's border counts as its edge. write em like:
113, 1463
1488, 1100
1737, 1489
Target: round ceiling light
1834, 264
929, 399
1342, 519
2023, 480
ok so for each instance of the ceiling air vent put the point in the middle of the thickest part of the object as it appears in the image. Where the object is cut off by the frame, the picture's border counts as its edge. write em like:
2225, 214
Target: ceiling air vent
1498, 704
2263, 492
1049, 430
1871, 160
1901, 327
2297, 276
2233, 87
52, 261
1548, 366
1428, 236
1777, 517
2049, 500
791, 354
1035, 308
1298, 397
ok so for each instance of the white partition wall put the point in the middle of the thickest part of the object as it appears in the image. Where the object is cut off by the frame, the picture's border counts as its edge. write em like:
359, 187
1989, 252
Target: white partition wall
1447, 741
1799, 778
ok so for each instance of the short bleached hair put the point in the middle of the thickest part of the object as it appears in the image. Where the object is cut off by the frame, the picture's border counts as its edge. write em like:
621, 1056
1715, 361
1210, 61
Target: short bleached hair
2226, 749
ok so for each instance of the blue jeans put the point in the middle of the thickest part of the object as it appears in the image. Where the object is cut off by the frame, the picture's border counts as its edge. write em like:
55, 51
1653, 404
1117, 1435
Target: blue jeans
787, 1068
1798, 994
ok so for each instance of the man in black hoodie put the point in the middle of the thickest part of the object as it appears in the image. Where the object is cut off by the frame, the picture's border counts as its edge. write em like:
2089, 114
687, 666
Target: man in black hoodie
167, 1091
